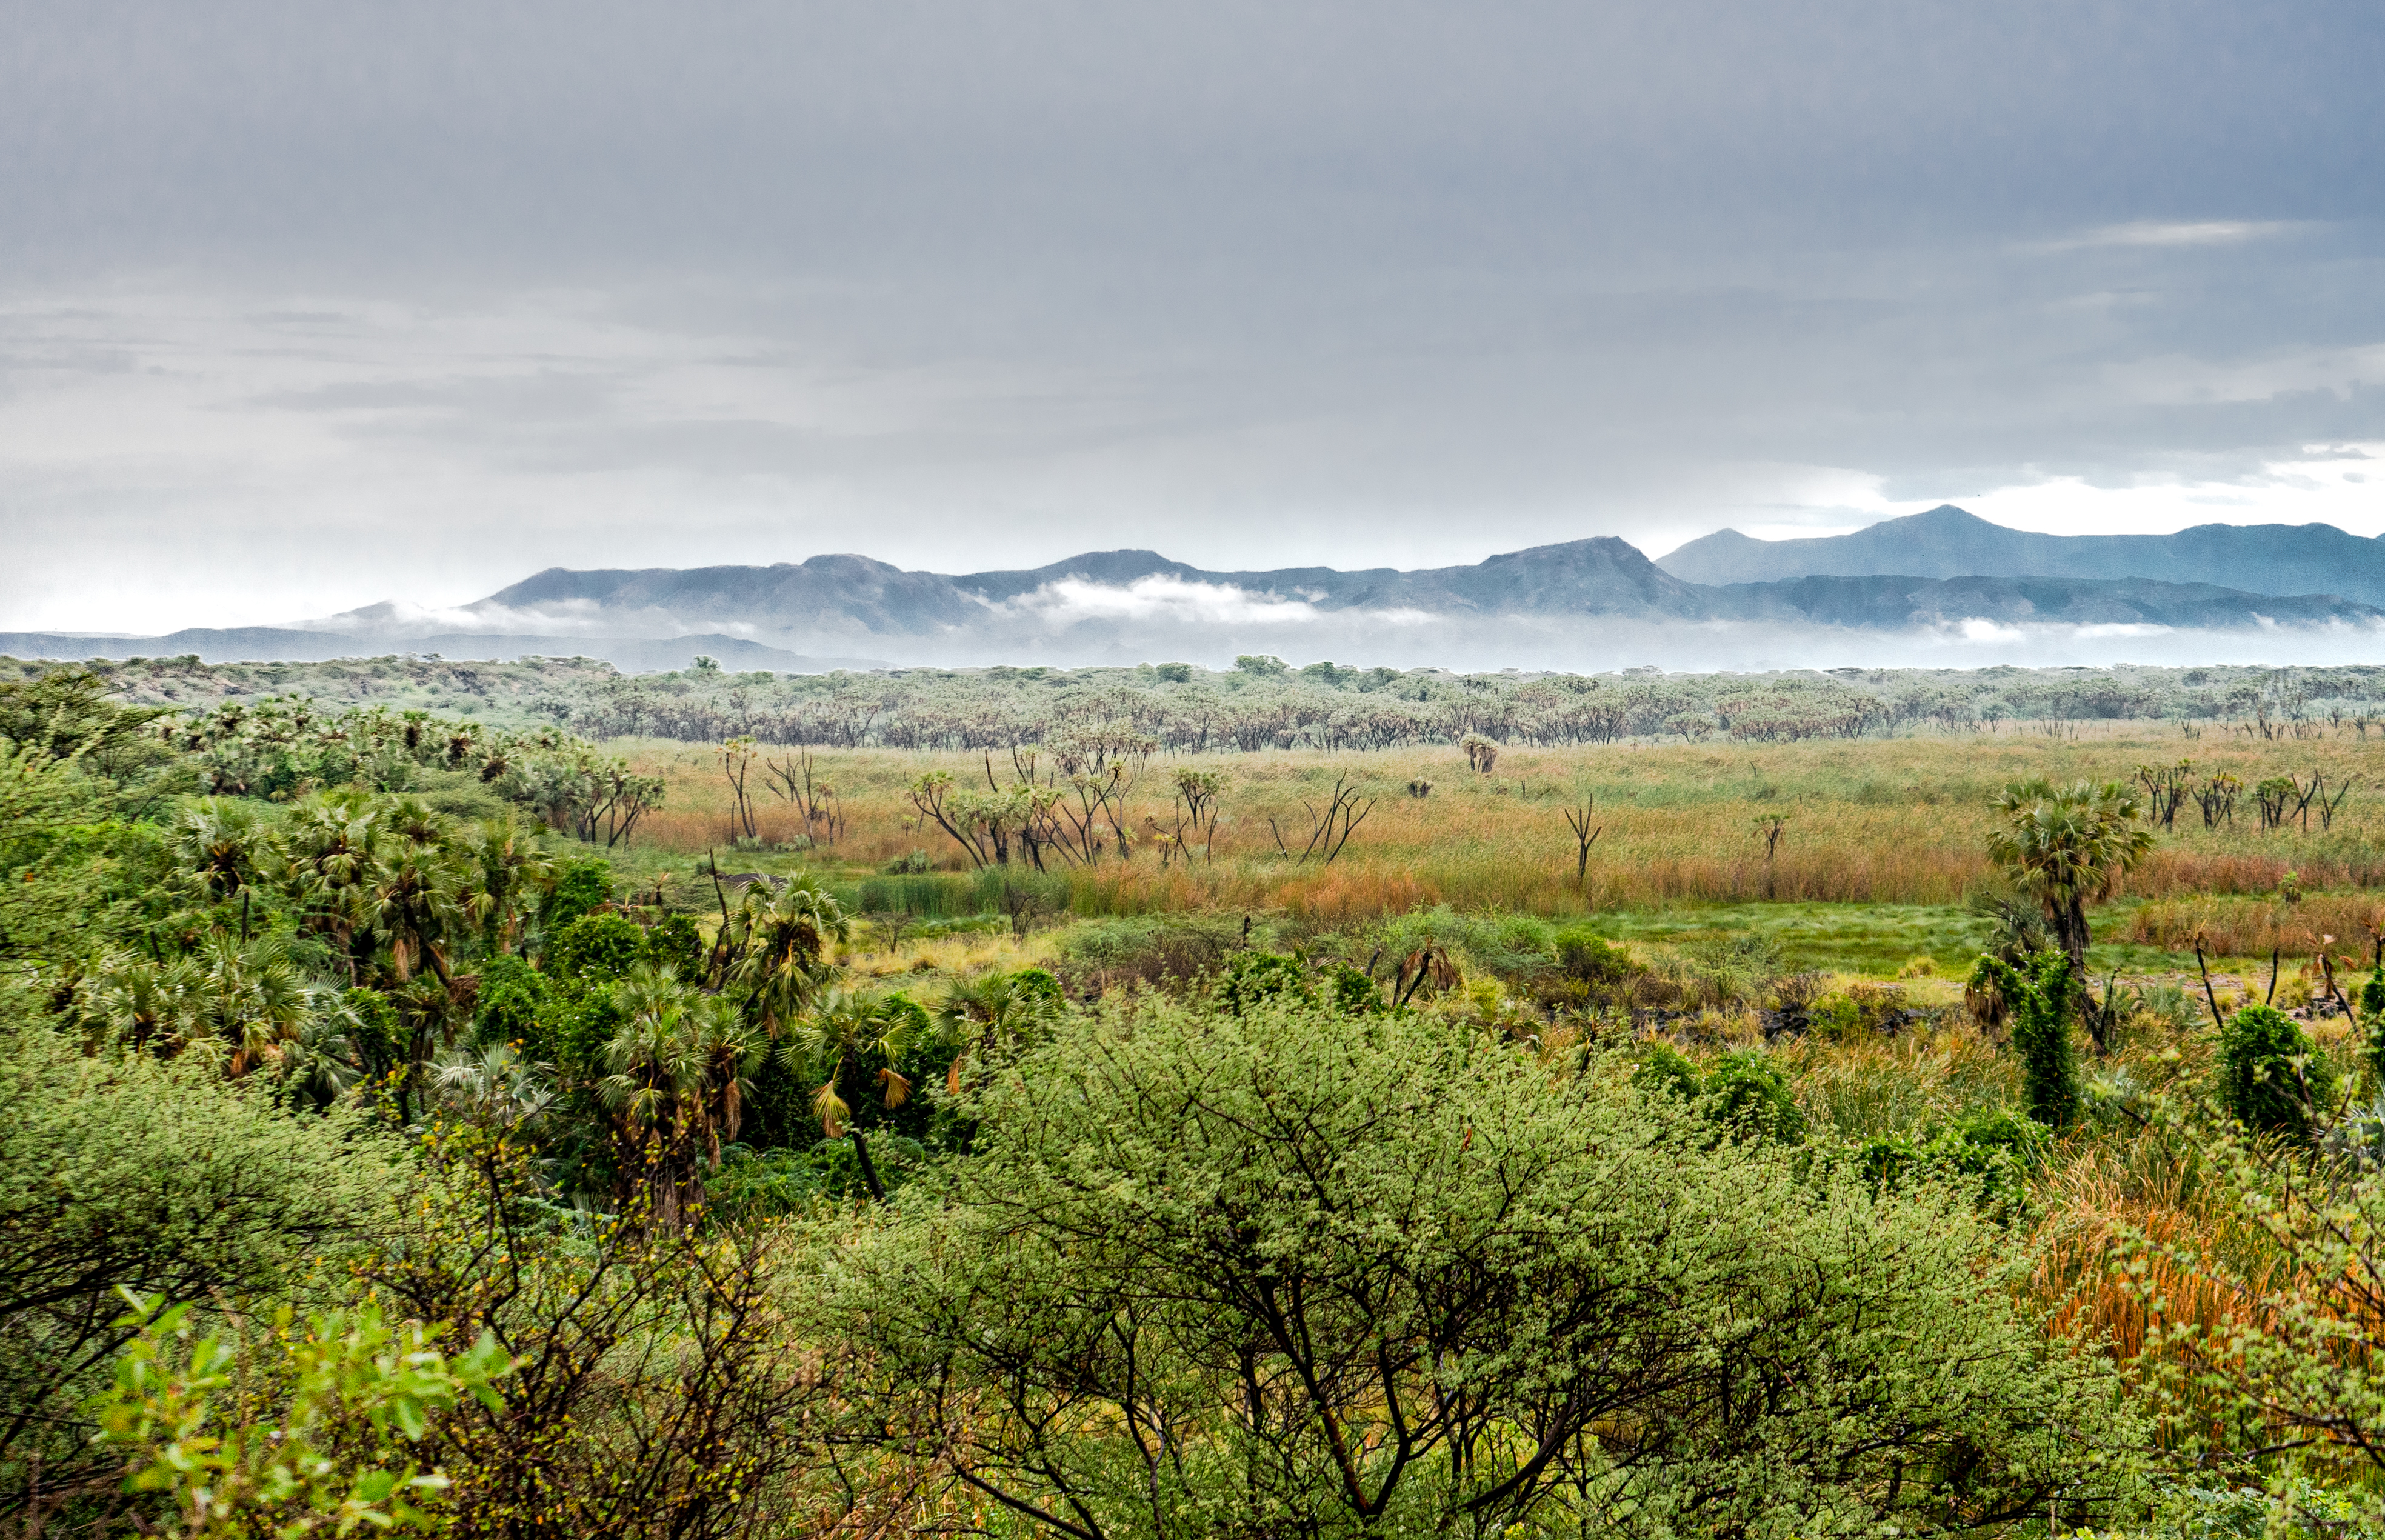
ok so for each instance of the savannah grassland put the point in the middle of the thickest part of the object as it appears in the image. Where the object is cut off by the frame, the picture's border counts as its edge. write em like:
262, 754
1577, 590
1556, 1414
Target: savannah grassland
1884, 839
1794, 921
1882, 852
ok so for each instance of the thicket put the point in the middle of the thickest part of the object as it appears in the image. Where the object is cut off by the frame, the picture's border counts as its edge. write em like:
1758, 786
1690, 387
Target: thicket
1264, 705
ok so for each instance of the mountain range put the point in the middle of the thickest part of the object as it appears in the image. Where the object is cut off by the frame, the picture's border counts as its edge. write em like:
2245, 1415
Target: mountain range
1946, 542
1936, 574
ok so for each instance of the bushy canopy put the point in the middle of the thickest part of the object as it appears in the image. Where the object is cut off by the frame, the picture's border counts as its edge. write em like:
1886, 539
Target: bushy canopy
1289, 1273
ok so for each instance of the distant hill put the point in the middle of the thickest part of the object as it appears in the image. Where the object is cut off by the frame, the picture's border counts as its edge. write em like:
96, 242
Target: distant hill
278, 644
1946, 542
1890, 603
1598, 576
846, 612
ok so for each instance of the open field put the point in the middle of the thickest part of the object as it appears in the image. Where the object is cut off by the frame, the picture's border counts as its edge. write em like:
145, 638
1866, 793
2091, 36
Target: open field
1900, 823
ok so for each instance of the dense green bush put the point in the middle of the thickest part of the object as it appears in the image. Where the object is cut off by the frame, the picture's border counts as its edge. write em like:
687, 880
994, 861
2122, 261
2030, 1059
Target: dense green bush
581, 884
2271, 1079
1252, 979
2041, 996
516, 1004
1745, 1095
1334, 1261
595, 947
1990, 1152
163, 1177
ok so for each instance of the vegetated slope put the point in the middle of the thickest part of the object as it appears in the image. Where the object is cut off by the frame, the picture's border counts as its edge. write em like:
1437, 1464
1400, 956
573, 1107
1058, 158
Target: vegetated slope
273, 643
1896, 601
1947, 541
1599, 576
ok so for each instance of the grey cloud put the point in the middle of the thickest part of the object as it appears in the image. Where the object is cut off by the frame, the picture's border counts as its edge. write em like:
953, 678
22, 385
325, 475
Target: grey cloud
1266, 283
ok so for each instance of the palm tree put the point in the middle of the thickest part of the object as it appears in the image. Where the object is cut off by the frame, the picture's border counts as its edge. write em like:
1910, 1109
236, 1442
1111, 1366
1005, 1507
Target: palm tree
2067, 847
223, 851
495, 1085
778, 950
851, 1041
419, 892
675, 1083
142, 1003
332, 847
251, 997
513, 865
319, 1065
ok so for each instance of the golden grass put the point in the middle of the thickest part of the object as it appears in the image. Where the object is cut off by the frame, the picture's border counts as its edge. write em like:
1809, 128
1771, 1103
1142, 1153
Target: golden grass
1897, 820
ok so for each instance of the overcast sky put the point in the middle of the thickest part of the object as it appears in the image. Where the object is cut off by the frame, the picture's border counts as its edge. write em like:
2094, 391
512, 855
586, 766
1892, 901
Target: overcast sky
308, 305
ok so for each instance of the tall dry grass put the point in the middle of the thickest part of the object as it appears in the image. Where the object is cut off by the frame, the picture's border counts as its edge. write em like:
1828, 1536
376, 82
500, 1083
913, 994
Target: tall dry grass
1899, 821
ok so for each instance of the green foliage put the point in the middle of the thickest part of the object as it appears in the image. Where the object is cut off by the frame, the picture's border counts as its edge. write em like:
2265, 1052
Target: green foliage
374, 1031
675, 942
1990, 1153
1351, 992
1252, 978
1334, 1261
1666, 1069
2370, 1014
2271, 1079
596, 949
1036, 984
1745, 1095
162, 1177
580, 886
2042, 997
1590, 958
351, 1397
516, 1004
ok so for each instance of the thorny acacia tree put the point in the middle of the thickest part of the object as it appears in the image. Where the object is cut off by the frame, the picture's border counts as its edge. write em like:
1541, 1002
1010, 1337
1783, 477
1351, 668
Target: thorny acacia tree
1293, 1274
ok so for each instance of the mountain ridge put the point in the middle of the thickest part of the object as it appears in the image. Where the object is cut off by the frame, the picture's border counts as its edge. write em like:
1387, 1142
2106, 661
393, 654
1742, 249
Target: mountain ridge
846, 611
1948, 541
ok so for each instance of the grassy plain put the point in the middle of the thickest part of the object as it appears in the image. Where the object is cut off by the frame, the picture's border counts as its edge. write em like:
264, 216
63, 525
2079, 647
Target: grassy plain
1882, 846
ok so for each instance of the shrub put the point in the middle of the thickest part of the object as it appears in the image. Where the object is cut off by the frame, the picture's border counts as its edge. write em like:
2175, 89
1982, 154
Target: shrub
595, 948
1990, 1154
516, 1004
1252, 978
1664, 1068
2041, 1001
163, 1178
1351, 992
2271, 1079
1306, 1232
1748, 1094
1590, 958
581, 884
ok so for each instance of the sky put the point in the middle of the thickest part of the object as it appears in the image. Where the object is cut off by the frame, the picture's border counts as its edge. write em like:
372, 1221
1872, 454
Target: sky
307, 306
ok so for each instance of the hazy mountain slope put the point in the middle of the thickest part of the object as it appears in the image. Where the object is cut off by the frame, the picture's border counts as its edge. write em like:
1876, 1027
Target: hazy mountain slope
876, 595
273, 643
1578, 598
1600, 576
1948, 542
1891, 602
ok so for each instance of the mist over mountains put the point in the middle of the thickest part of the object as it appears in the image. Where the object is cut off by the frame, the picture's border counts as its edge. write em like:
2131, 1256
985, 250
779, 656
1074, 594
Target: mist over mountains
1943, 587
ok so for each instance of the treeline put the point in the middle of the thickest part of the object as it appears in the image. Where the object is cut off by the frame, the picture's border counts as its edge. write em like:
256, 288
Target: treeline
1264, 703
